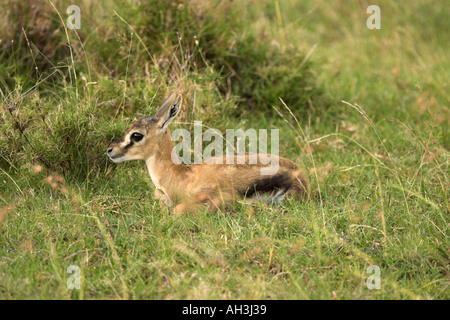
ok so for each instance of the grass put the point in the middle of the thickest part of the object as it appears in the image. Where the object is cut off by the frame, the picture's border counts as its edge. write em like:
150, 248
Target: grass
364, 112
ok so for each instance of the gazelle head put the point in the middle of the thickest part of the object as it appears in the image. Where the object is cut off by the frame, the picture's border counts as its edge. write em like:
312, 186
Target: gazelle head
146, 136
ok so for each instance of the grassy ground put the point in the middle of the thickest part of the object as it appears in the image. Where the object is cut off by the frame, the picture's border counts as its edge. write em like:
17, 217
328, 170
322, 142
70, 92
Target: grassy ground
369, 123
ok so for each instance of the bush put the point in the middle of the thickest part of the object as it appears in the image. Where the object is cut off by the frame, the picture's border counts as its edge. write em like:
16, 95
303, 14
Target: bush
122, 62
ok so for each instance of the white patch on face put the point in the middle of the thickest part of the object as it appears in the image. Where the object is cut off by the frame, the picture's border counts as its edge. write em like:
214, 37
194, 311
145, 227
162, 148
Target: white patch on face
118, 159
126, 158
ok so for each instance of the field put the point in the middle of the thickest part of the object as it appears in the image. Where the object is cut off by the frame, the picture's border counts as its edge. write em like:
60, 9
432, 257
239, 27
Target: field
364, 112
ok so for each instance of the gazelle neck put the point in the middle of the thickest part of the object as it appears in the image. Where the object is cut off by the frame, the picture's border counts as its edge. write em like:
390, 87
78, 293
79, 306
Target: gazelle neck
167, 175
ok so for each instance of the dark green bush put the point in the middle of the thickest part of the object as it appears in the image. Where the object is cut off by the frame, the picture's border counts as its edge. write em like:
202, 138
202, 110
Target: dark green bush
122, 63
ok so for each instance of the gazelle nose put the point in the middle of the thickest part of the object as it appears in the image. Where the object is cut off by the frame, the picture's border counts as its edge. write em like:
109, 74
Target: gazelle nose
110, 150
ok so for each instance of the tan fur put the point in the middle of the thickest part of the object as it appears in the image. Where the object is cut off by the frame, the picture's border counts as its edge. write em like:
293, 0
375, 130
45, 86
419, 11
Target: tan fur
207, 184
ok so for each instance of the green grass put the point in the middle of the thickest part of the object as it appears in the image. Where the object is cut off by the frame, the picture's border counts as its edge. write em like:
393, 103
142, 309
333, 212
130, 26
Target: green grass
366, 114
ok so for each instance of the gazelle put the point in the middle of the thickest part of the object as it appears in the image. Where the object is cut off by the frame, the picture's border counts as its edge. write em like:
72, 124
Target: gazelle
205, 184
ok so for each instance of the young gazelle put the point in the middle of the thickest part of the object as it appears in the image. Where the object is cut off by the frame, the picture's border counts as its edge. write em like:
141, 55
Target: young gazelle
208, 184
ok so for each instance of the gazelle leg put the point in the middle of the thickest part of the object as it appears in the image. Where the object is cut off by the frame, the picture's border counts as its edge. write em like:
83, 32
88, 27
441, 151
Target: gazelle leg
195, 203
161, 196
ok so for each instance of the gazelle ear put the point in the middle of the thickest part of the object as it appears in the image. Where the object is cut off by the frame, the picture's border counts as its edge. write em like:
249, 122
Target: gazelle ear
168, 110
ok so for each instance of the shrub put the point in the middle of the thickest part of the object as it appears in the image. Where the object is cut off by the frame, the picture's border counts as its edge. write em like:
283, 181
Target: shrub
122, 62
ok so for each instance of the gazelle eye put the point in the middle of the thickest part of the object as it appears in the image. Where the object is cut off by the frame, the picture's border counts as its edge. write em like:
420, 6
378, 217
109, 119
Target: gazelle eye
136, 137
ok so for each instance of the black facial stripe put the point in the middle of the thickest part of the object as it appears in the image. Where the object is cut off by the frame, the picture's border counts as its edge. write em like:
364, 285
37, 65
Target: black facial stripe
128, 145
